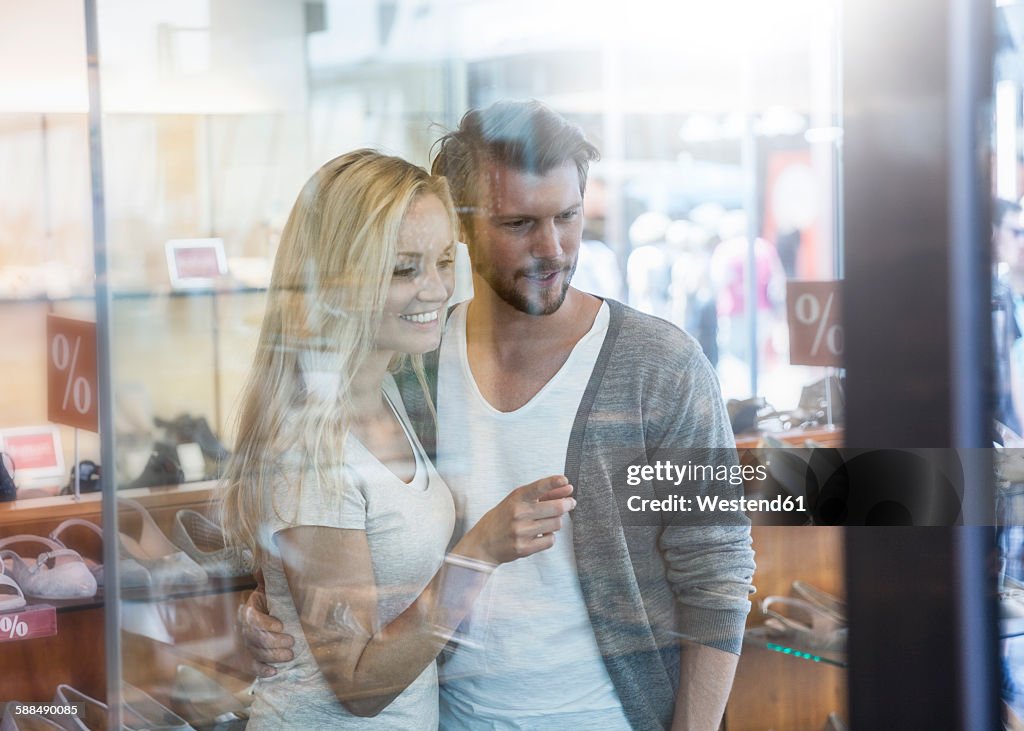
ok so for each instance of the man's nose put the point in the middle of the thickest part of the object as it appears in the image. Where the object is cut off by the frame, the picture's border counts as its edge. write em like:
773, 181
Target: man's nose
546, 243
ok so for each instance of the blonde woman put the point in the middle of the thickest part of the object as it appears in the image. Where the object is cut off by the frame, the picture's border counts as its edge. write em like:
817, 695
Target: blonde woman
329, 486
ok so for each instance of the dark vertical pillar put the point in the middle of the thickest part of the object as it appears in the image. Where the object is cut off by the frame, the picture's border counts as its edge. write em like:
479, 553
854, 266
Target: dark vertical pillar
923, 651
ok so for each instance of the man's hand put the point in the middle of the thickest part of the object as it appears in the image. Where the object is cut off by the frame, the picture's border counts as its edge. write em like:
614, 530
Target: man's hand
263, 635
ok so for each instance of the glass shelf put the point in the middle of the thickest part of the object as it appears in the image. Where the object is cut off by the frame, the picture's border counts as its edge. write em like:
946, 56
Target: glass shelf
765, 639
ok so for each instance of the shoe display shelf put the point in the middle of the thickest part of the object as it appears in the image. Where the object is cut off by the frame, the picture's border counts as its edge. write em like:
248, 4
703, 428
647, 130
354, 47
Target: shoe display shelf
778, 686
160, 629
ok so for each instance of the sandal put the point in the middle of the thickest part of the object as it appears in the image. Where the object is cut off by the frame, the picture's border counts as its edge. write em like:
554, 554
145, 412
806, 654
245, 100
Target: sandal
58, 573
11, 596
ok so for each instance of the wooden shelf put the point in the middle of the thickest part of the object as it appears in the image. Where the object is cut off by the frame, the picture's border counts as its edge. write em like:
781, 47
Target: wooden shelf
65, 506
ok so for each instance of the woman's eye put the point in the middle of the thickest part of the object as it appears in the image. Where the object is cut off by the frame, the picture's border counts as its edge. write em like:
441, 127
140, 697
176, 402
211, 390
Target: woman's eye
445, 263
404, 272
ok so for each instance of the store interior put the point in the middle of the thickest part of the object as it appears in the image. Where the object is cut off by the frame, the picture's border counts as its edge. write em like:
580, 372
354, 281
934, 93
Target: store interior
737, 148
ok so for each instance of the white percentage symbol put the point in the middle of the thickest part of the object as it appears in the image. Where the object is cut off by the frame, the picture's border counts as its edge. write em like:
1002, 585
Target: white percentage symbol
12, 627
67, 360
809, 312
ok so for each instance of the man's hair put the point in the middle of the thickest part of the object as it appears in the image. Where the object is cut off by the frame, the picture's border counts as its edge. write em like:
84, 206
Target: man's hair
1001, 208
522, 135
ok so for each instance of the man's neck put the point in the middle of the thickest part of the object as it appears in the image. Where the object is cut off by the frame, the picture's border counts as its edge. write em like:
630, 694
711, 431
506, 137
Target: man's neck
511, 354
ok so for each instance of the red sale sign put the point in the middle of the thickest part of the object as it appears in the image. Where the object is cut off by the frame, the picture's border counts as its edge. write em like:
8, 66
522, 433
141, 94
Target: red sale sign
814, 314
71, 373
28, 624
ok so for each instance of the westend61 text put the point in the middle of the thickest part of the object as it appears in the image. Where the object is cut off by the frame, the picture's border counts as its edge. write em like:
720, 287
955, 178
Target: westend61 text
715, 504
667, 471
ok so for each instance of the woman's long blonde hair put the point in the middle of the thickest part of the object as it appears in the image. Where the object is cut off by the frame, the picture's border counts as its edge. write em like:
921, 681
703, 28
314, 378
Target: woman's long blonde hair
331, 276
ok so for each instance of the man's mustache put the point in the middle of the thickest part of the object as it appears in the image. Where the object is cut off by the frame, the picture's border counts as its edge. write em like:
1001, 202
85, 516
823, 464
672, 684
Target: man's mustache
543, 270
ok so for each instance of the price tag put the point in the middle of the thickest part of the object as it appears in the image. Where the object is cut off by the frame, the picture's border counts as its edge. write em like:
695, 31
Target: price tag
39, 620
71, 373
814, 314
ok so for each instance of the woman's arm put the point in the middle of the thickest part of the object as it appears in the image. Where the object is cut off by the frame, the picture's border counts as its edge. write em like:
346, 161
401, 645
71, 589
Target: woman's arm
330, 576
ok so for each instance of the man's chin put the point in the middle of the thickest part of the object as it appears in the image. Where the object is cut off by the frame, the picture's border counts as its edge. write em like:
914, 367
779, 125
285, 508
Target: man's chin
520, 296
540, 305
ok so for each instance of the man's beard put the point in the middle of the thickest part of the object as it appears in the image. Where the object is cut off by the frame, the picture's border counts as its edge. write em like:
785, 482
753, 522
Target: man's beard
506, 289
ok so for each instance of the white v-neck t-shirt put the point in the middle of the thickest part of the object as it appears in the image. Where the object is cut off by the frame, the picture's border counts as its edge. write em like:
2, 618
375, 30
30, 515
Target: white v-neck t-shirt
408, 526
530, 660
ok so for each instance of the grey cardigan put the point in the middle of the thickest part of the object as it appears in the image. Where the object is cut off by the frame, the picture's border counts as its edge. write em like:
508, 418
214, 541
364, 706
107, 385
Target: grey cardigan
646, 581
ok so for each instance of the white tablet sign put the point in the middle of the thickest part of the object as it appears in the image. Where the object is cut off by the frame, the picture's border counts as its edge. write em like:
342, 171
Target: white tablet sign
195, 263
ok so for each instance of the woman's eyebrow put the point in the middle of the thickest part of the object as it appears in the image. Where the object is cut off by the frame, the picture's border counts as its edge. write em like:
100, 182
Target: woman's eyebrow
410, 254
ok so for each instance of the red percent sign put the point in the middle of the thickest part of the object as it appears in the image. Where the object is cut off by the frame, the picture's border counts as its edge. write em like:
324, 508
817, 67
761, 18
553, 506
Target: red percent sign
71, 373
36, 621
815, 323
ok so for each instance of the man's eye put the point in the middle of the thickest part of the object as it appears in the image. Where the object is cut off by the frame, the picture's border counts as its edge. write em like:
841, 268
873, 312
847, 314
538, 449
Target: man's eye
517, 223
569, 215
445, 263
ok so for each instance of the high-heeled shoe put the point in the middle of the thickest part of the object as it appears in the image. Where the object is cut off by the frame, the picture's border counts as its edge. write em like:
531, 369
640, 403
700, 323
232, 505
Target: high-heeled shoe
161, 470
167, 564
203, 540
185, 428
132, 574
58, 573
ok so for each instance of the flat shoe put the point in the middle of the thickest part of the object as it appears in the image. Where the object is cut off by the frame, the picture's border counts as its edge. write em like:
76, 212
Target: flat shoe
58, 573
132, 574
166, 563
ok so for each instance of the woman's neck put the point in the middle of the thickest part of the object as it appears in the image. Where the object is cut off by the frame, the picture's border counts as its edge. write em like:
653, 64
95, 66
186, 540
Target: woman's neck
366, 384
